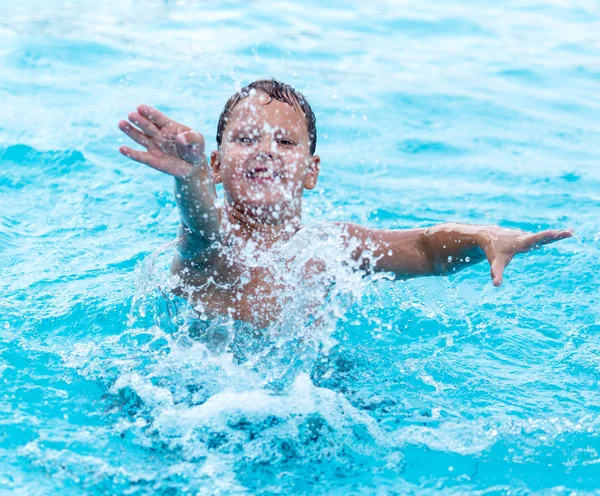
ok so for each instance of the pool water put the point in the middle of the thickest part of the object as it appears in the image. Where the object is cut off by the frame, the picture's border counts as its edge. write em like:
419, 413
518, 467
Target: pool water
427, 112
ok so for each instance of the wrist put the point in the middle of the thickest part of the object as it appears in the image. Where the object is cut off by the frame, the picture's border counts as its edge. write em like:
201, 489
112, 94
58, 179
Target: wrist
194, 173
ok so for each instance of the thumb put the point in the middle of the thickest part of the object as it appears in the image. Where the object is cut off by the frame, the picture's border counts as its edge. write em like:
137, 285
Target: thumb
496, 269
497, 272
498, 264
190, 146
497, 260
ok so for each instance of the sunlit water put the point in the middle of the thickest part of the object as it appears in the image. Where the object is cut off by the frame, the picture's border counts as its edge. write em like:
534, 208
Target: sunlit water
480, 112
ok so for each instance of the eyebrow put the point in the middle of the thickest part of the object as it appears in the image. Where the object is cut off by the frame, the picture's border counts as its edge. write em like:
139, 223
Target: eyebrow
251, 129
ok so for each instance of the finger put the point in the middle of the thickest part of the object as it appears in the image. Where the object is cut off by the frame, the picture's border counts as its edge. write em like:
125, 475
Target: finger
144, 124
497, 269
153, 115
192, 138
190, 146
498, 262
134, 134
177, 168
545, 237
141, 157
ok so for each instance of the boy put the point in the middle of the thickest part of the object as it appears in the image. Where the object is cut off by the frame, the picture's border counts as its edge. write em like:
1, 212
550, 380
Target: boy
265, 159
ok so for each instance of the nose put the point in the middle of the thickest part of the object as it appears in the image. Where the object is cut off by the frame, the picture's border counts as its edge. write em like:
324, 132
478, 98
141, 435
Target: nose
266, 150
263, 157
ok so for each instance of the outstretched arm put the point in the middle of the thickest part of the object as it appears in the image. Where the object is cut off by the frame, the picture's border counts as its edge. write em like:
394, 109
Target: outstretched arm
442, 249
177, 150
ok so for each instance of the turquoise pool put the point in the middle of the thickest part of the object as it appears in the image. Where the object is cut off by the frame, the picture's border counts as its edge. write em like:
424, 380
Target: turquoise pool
427, 112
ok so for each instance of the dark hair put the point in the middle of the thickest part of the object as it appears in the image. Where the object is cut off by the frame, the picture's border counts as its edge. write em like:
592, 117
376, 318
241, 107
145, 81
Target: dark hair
280, 91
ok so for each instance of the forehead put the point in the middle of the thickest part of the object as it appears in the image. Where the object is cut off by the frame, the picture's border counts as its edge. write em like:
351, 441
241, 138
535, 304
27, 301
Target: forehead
258, 110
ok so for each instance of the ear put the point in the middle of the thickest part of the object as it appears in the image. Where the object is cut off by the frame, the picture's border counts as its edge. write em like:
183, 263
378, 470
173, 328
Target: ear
312, 173
215, 166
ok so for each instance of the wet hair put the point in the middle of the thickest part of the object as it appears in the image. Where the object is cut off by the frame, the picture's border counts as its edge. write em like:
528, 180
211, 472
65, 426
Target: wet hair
279, 91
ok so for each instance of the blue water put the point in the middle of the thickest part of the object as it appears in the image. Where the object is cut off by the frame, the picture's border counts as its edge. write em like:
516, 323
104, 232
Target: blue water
479, 112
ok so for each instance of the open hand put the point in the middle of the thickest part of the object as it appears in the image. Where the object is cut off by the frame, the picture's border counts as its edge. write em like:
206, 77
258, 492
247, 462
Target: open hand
501, 245
171, 147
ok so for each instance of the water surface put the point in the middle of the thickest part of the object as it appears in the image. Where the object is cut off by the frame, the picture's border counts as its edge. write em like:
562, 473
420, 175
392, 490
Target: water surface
449, 111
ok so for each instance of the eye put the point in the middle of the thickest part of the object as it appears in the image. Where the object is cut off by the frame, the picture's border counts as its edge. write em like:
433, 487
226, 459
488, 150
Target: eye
246, 140
285, 142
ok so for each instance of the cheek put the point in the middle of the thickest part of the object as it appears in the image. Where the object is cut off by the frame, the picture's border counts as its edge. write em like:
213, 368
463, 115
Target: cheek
233, 166
296, 162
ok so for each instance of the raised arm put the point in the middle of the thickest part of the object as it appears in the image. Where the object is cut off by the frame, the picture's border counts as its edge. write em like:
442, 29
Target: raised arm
443, 249
177, 150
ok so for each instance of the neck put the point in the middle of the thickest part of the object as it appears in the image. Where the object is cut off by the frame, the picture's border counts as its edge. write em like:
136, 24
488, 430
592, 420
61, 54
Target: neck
263, 229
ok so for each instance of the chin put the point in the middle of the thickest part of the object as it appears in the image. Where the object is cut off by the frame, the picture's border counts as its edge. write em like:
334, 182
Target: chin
267, 203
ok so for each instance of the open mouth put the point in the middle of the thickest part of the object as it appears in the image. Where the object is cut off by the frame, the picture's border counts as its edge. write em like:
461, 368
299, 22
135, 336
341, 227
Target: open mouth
262, 173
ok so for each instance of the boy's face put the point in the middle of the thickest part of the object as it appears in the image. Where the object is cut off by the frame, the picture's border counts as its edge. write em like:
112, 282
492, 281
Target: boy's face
264, 161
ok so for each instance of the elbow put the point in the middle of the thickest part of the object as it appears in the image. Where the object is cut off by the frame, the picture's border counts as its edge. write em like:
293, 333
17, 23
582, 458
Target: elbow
192, 246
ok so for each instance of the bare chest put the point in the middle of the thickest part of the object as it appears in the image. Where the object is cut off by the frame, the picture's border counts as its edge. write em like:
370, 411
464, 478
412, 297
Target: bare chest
253, 294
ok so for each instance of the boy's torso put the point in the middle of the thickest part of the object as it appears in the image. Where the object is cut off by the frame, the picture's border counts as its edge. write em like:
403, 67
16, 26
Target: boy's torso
230, 284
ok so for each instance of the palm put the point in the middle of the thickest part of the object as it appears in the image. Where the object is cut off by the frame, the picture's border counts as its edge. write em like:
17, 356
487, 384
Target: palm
171, 147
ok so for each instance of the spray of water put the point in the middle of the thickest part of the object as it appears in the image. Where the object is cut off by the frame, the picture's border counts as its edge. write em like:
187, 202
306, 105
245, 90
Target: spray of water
229, 398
